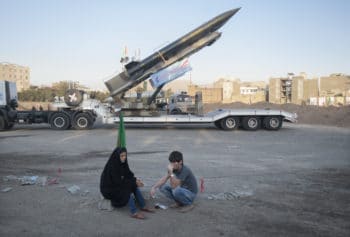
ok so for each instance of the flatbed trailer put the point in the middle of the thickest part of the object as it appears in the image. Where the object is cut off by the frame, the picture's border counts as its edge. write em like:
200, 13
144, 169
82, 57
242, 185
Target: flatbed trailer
90, 110
226, 119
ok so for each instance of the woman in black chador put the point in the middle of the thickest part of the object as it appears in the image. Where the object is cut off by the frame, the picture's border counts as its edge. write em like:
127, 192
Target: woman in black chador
119, 184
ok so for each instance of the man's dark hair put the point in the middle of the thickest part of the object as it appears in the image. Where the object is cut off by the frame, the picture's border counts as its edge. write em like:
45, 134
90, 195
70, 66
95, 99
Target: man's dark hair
175, 156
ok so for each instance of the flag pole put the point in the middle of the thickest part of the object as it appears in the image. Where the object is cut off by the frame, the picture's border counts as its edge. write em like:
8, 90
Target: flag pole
121, 132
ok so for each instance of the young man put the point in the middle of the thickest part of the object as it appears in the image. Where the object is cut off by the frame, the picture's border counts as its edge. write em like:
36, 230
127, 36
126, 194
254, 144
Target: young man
183, 185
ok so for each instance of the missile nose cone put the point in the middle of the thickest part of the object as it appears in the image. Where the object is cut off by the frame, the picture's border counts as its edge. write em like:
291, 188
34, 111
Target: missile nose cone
224, 17
234, 11
227, 15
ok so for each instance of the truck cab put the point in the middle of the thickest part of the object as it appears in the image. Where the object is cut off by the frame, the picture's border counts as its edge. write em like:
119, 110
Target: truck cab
181, 104
8, 104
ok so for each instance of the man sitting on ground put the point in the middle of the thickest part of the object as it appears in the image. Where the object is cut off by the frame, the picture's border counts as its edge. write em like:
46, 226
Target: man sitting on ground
183, 185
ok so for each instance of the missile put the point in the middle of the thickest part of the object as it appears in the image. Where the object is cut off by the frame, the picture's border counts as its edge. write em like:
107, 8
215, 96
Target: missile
136, 72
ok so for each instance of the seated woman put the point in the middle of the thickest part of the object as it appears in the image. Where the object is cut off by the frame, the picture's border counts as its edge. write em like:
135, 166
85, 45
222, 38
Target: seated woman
119, 184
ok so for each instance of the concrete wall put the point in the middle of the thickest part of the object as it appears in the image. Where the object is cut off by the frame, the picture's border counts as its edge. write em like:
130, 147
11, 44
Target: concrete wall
334, 84
298, 90
310, 89
209, 95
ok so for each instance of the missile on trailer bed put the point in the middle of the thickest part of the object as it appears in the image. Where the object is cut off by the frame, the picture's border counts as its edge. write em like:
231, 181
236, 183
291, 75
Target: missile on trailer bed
136, 72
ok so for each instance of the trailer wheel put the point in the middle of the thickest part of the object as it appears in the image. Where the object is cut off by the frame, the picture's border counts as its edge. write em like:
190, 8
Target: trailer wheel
229, 123
60, 121
2, 123
272, 123
218, 124
82, 121
251, 123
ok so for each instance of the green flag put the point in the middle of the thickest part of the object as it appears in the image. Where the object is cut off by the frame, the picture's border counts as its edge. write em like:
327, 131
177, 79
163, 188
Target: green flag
121, 132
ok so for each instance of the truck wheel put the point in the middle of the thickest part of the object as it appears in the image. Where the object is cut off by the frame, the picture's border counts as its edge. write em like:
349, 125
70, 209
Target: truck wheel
10, 125
2, 123
251, 123
272, 123
175, 111
229, 123
59, 121
82, 121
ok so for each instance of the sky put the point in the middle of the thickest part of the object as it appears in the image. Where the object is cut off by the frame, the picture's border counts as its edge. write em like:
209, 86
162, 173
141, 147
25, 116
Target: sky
84, 40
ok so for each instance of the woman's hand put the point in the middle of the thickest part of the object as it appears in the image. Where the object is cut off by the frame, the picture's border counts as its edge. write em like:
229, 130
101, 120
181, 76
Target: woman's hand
139, 182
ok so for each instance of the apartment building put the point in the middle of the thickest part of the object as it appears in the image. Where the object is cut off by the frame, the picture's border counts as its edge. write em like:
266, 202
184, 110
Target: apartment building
280, 90
329, 90
231, 90
15, 73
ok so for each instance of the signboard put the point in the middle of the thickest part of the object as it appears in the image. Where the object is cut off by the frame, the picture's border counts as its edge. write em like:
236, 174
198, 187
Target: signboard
170, 73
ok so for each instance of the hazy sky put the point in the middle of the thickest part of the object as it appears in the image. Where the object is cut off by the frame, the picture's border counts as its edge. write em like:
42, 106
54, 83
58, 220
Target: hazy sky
83, 40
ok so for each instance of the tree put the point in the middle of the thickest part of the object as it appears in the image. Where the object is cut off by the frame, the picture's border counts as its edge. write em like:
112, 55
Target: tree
61, 87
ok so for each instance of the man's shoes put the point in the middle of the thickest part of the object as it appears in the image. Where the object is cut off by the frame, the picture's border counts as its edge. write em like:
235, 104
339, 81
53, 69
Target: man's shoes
138, 216
146, 209
186, 208
175, 205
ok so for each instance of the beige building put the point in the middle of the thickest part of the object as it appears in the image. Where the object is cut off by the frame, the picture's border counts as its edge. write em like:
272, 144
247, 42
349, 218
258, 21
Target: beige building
251, 92
229, 88
15, 73
297, 89
310, 89
335, 85
228, 91
280, 90
331, 90
209, 94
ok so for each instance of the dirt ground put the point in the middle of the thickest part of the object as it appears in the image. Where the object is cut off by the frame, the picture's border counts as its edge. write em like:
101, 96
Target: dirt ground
292, 182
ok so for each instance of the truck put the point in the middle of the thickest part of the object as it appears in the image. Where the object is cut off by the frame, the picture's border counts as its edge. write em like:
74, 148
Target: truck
80, 112
72, 113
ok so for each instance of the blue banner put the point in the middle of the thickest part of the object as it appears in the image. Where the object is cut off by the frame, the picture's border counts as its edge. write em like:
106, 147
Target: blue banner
170, 73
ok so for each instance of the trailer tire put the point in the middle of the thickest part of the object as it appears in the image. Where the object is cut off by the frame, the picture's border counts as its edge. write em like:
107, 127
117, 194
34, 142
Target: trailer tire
251, 123
272, 123
60, 121
82, 121
2, 123
218, 124
229, 123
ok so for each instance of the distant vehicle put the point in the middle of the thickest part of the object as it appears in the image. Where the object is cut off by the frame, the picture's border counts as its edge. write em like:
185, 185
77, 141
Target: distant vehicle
181, 104
66, 115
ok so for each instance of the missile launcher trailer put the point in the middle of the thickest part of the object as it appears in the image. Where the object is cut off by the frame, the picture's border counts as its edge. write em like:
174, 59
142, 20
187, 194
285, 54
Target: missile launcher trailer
80, 113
